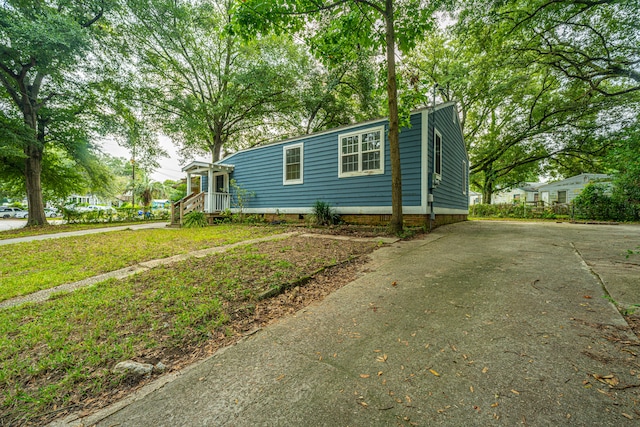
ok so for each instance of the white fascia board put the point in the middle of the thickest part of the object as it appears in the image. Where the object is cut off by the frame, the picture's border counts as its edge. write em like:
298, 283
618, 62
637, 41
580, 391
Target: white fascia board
196, 166
424, 173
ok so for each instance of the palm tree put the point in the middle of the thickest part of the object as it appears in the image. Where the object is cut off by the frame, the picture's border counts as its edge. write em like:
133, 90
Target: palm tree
147, 190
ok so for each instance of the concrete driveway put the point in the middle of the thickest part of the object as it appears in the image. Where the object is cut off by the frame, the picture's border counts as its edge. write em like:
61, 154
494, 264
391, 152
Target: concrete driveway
479, 323
10, 224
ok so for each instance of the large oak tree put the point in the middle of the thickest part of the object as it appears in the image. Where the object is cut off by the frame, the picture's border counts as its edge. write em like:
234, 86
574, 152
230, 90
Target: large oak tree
44, 48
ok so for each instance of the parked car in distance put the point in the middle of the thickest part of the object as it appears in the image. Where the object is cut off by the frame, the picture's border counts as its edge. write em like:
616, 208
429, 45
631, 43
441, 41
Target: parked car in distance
92, 208
101, 208
8, 212
48, 212
51, 212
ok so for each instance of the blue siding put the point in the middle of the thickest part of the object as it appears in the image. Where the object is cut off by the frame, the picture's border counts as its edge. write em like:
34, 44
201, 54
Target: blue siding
260, 170
449, 193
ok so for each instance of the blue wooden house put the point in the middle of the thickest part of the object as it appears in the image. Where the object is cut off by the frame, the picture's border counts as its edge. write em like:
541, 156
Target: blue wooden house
349, 168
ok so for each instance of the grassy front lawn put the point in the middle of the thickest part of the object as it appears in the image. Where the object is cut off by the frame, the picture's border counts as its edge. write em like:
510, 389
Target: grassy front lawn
58, 355
32, 266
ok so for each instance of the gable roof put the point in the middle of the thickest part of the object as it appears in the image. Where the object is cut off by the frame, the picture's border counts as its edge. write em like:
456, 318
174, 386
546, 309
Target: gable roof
338, 129
577, 180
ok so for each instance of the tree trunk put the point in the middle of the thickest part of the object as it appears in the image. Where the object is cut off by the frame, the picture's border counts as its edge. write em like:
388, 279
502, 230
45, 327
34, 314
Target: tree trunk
216, 150
396, 224
33, 169
487, 190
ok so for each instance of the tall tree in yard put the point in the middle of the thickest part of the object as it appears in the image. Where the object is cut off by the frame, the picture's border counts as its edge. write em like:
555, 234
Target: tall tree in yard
206, 88
342, 29
42, 48
521, 116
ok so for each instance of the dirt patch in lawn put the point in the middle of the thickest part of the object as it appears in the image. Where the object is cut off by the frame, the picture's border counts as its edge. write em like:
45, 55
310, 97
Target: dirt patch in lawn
226, 297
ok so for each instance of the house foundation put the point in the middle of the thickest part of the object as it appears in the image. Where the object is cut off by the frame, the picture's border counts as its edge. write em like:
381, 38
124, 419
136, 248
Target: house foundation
411, 220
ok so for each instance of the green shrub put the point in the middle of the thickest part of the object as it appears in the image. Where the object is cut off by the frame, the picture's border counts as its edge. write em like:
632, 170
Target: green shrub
595, 202
323, 213
195, 219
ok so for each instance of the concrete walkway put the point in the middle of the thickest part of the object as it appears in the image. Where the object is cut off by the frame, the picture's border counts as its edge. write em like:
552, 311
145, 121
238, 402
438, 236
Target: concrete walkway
84, 232
480, 323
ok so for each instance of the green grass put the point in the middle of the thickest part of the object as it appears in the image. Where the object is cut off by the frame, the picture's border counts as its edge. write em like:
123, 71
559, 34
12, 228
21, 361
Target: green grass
59, 353
32, 266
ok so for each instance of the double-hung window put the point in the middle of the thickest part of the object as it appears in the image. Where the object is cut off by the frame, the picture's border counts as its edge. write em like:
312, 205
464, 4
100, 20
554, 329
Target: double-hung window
437, 154
361, 152
292, 159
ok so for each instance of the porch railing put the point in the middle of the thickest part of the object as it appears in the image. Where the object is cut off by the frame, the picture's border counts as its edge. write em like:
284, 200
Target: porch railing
199, 202
190, 203
221, 202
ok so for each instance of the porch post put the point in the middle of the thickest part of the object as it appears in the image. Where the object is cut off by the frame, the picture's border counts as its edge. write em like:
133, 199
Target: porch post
188, 183
210, 190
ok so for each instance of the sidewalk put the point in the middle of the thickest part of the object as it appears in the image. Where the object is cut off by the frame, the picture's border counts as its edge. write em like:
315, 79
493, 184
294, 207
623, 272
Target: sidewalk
83, 232
480, 323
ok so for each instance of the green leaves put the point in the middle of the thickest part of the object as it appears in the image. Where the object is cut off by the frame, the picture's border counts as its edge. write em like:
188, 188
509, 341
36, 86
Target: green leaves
44, 79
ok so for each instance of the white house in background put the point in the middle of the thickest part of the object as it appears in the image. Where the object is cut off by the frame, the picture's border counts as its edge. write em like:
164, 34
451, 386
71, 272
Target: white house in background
566, 190
86, 199
474, 198
525, 193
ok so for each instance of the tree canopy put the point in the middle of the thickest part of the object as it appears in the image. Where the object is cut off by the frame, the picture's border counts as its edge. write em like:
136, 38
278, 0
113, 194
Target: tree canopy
522, 115
338, 32
45, 72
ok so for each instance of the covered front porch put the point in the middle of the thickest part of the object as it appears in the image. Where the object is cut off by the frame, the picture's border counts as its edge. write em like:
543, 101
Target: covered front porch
210, 194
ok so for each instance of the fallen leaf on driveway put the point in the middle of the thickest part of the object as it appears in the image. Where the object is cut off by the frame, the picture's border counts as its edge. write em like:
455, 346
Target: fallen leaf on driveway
485, 370
382, 358
627, 416
607, 379
364, 375
434, 372
515, 391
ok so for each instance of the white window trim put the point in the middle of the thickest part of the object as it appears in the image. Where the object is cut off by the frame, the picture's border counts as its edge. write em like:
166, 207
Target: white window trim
360, 172
465, 183
438, 175
286, 181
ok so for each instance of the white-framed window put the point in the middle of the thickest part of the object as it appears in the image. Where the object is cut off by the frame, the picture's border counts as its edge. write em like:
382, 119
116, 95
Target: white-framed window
465, 184
292, 164
361, 152
437, 153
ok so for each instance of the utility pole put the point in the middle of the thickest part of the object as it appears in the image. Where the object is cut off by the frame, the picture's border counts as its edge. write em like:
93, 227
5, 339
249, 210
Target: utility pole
133, 177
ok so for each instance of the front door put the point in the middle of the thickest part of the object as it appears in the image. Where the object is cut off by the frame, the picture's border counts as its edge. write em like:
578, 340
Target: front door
221, 196
220, 184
